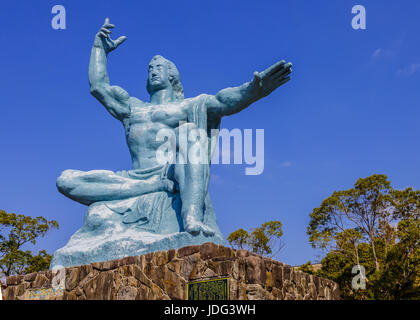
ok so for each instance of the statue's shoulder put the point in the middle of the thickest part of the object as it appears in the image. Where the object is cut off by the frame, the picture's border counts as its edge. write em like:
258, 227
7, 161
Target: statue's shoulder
200, 98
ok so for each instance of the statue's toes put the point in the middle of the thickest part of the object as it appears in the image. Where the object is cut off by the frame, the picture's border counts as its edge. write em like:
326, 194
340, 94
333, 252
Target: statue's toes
192, 228
195, 227
200, 227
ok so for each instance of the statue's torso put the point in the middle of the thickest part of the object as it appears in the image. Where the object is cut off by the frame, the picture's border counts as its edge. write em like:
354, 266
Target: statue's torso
143, 124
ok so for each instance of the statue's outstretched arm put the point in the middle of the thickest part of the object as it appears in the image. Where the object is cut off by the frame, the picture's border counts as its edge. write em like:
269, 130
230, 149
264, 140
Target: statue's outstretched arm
114, 98
232, 100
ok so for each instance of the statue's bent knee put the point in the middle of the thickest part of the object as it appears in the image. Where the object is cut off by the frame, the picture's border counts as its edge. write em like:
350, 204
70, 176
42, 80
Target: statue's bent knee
66, 181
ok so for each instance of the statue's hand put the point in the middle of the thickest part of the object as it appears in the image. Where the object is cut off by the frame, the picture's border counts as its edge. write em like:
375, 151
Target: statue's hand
167, 185
270, 79
102, 38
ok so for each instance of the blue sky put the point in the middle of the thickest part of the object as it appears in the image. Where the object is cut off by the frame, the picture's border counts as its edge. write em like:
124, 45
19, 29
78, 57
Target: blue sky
352, 108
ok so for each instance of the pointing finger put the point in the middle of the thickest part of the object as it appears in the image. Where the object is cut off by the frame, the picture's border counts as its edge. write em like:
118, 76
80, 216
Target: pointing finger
107, 24
120, 40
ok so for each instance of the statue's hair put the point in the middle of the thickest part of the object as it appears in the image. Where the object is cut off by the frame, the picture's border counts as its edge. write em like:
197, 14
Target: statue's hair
173, 75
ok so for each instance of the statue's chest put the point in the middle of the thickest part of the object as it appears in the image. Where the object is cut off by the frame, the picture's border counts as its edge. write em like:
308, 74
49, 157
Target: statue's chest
140, 115
165, 114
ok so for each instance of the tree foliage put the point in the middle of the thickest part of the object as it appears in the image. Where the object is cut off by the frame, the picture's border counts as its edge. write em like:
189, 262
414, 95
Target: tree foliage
16, 232
239, 239
377, 227
263, 240
307, 267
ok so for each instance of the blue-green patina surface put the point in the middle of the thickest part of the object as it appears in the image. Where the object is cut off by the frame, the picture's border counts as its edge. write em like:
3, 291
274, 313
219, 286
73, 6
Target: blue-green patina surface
154, 206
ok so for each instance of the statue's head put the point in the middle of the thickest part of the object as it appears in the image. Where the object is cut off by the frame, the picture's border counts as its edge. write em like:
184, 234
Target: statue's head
162, 74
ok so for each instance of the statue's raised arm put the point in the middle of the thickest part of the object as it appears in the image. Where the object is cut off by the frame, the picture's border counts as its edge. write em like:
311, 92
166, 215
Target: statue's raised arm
232, 100
114, 98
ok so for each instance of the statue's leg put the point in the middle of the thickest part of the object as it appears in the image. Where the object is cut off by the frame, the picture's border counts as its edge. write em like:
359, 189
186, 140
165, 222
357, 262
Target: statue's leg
193, 183
104, 185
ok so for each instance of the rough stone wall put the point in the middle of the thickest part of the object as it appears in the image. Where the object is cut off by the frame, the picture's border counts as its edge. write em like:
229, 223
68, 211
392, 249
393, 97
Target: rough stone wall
165, 274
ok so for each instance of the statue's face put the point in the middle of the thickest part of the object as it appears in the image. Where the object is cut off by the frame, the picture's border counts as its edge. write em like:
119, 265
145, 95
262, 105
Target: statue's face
158, 75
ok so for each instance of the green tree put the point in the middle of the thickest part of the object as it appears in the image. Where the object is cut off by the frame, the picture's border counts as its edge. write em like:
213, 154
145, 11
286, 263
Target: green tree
307, 267
17, 231
361, 208
266, 240
39, 262
400, 278
406, 204
338, 266
347, 242
374, 226
263, 240
239, 239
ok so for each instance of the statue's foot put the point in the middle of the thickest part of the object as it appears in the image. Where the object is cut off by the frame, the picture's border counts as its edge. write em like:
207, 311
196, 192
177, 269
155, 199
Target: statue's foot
193, 226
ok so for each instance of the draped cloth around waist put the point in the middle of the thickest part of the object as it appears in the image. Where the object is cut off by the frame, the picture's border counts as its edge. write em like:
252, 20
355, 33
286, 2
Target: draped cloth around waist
145, 209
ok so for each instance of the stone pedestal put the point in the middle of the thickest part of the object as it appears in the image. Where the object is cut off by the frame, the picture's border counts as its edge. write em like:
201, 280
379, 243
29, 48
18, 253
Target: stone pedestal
165, 275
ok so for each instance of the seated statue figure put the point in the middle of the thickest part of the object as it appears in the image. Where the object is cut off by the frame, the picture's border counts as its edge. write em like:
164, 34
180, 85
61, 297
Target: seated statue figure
156, 205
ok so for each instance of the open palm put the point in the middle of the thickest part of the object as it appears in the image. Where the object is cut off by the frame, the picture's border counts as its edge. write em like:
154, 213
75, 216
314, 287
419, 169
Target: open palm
103, 34
273, 77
